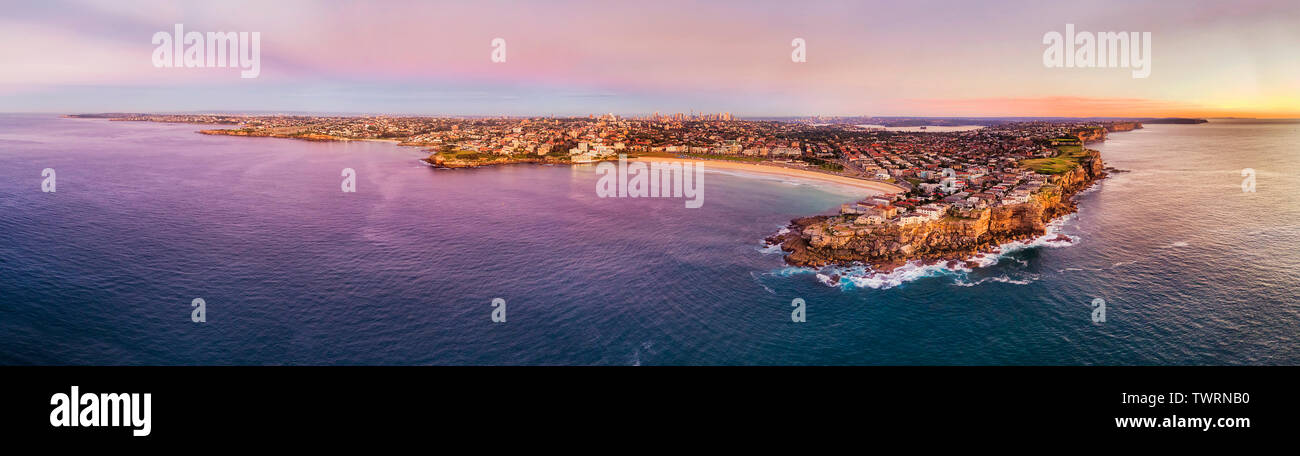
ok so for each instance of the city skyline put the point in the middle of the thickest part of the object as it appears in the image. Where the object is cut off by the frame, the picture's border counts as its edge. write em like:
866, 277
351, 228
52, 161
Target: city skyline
578, 58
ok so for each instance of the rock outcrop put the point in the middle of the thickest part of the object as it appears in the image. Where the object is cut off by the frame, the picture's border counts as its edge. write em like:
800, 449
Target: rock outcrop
1122, 126
445, 161
825, 240
269, 134
1098, 133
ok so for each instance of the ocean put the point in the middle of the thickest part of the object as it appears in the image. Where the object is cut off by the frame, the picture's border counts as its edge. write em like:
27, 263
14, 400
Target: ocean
147, 217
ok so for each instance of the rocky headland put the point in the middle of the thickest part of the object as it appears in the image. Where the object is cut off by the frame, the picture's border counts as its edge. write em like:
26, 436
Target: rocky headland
825, 240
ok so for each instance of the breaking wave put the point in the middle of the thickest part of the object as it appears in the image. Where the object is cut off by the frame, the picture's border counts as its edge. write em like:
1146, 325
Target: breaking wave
861, 276
1000, 279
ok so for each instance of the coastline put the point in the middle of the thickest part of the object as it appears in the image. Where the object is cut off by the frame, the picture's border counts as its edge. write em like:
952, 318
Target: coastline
817, 242
981, 254
827, 248
304, 137
895, 273
874, 186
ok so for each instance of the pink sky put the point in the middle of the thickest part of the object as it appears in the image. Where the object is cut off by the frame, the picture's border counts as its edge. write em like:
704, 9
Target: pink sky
864, 58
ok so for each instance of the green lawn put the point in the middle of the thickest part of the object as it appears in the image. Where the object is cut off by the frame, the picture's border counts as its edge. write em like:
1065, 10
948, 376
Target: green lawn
1066, 159
460, 154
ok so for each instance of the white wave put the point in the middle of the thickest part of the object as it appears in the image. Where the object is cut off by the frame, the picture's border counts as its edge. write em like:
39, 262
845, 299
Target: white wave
766, 249
825, 279
753, 175
999, 279
864, 277
822, 185
1103, 269
790, 271
1096, 185
770, 249
758, 278
911, 271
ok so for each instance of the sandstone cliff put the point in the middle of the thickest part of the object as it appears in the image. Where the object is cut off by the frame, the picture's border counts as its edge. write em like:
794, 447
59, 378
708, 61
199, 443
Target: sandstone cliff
1097, 134
825, 240
1123, 126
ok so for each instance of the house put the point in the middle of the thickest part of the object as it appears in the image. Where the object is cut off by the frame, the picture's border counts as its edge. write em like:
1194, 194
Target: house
886, 211
855, 208
870, 219
913, 219
932, 211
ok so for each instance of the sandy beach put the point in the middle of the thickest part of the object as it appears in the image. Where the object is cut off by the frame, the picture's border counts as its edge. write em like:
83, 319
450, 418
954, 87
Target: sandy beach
874, 187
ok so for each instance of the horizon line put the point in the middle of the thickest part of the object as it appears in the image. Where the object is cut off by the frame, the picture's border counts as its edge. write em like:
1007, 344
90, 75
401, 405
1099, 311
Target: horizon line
639, 114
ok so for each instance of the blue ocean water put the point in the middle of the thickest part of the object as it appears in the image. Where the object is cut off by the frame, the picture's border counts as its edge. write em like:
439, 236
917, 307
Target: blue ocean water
149, 216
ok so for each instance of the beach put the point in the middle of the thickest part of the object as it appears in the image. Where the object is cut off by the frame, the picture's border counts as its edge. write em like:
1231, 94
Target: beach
873, 186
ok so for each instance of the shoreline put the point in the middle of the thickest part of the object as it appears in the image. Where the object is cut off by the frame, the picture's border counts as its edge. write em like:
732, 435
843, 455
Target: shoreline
889, 275
1051, 209
309, 137
876, 187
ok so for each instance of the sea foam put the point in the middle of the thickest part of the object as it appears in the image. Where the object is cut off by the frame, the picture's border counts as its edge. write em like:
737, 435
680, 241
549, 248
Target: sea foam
860, 276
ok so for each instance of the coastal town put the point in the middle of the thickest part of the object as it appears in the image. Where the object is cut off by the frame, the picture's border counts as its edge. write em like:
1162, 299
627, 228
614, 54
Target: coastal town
932, 175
